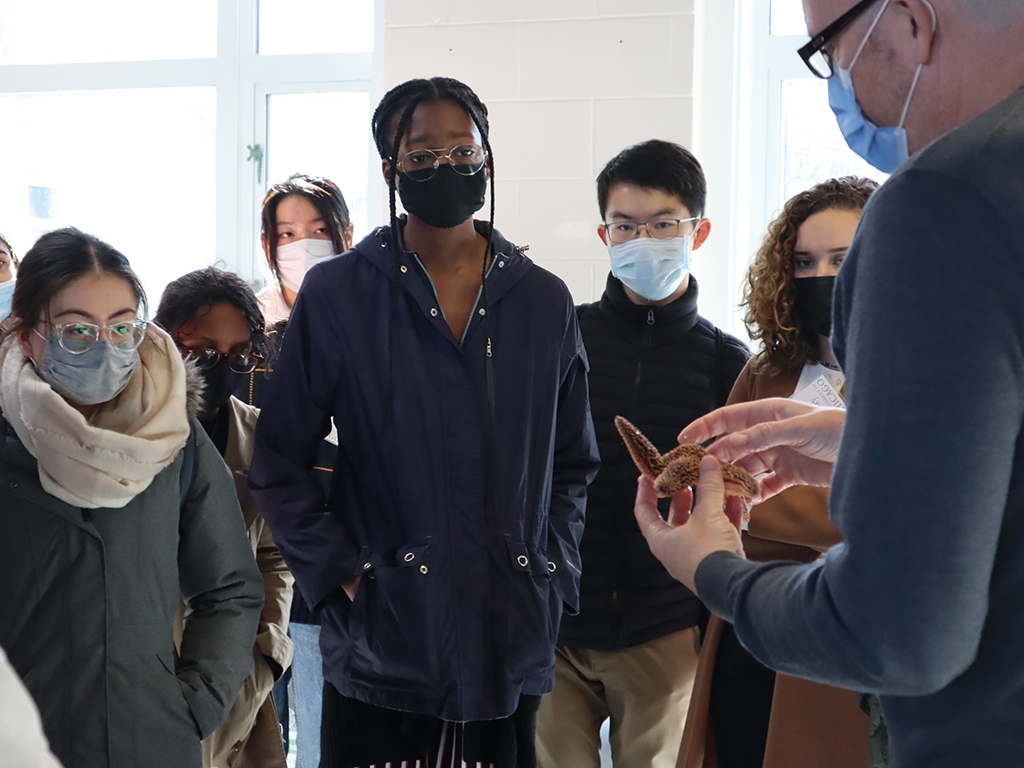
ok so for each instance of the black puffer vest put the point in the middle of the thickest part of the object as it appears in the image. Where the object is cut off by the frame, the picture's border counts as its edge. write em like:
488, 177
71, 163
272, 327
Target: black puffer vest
661, 368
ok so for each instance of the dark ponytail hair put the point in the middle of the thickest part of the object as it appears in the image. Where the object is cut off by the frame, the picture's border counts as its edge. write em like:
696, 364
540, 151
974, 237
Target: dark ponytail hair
57, 259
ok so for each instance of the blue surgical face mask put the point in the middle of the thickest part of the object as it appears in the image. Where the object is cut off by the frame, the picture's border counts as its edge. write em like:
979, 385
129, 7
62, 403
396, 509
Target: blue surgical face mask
95, 376
6, 294
652, 268
886, 147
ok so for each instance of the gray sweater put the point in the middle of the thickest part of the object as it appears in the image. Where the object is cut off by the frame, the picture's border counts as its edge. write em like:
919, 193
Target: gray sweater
924, 603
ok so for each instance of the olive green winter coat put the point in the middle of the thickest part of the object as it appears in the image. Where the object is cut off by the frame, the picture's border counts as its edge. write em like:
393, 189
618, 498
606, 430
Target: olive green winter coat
88, 601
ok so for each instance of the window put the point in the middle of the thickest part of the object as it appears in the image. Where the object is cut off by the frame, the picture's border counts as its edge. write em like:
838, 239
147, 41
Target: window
169, 158
768, 133
802, 141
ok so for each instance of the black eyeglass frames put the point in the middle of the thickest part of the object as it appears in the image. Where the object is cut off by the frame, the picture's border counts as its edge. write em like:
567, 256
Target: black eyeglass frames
814, 55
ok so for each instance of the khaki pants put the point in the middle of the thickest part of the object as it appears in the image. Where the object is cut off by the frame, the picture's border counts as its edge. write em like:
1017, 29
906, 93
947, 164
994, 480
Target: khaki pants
645, 690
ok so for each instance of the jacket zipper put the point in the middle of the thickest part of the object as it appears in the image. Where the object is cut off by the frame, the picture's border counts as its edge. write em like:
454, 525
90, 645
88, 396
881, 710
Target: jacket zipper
644, 345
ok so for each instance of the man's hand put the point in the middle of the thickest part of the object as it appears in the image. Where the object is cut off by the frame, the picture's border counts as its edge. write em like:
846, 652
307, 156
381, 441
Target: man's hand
350, 587
688, 537
793, 443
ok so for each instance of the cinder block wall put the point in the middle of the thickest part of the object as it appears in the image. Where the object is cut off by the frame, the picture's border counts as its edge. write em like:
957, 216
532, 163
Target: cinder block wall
568, 84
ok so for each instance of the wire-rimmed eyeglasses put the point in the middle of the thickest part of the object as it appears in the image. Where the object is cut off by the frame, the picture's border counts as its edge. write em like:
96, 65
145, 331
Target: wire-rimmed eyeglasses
79, 338
661, 228
814, 53
238, 362
422, 164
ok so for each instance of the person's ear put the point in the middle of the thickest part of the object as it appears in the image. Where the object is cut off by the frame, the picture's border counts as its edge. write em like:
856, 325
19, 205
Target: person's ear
601, 233
918, 19
703, 230
25, 344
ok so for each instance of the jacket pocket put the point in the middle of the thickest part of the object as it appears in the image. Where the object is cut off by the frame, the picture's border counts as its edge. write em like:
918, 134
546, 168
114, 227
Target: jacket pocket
390, 623
533, 609
150, 721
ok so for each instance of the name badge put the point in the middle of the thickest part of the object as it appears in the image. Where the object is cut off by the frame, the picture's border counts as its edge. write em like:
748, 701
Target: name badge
820, 392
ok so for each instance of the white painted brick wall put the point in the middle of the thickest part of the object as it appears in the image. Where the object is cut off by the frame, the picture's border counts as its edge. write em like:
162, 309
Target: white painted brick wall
569, 83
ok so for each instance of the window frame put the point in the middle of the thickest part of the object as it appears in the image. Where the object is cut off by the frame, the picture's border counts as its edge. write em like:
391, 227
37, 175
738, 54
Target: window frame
738, 137
243, 80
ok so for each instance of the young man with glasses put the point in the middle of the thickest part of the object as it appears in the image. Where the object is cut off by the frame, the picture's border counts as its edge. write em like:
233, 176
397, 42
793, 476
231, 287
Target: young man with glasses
631, 653
921, 604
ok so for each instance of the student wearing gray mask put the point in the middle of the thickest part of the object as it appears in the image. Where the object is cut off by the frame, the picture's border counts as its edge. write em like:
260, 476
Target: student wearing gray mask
114, 503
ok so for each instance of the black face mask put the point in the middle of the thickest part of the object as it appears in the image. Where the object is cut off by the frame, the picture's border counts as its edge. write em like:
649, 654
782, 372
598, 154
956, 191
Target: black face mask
444, 200
221, 382
812, 305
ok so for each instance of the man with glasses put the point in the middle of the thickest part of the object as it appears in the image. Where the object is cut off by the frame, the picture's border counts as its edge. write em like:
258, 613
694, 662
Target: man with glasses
631, 653
922, 603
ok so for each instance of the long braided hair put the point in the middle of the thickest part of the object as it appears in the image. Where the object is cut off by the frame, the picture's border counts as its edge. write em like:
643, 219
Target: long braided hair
390, 121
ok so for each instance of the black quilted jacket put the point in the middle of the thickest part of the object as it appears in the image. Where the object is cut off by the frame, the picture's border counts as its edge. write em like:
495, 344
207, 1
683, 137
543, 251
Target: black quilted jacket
661, 368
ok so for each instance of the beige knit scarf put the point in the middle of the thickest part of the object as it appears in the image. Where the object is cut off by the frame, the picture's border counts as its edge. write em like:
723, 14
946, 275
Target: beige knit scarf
112, 457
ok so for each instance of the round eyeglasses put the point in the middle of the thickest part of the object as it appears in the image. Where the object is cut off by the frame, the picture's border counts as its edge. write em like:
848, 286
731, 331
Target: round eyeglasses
661, 228
79, 338
422, 164
238, 362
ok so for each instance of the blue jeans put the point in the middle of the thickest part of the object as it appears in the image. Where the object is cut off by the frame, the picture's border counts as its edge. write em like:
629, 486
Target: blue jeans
302, 694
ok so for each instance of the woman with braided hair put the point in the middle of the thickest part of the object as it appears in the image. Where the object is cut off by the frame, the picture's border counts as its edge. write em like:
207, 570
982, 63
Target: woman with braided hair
447, 548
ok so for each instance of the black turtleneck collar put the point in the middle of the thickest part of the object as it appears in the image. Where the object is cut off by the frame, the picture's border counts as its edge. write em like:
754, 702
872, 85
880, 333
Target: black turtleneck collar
673, 319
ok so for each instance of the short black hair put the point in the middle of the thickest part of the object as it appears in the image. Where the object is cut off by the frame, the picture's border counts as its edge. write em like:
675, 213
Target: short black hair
191, 294
656, 164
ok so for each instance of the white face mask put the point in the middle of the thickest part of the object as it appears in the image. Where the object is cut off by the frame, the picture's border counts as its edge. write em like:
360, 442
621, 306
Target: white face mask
295, 259
652, 268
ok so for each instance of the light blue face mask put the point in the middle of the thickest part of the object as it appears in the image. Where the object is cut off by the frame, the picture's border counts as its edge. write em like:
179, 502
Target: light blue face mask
96, 376
652, 268
6, 294
886, 147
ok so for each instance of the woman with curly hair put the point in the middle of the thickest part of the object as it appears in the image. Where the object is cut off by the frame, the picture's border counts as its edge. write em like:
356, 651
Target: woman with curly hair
747, 715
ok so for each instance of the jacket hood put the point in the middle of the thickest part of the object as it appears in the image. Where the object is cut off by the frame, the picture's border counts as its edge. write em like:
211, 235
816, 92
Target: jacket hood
510, 258
195, 387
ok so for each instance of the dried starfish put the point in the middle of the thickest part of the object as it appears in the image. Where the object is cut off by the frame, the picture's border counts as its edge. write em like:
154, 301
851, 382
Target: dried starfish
680, 467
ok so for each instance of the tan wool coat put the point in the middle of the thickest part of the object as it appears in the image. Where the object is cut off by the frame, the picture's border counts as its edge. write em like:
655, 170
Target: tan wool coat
251, 736
812, 725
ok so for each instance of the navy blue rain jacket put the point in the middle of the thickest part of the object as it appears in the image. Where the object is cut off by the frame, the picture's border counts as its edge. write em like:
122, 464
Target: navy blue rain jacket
465, 525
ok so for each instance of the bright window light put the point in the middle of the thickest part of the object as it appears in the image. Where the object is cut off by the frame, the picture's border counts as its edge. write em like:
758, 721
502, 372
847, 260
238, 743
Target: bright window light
322, 134
315, 26
134, 168
74, 31
813, 147
788, 18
